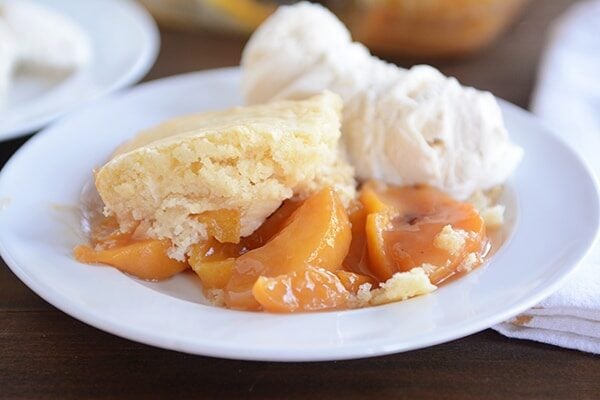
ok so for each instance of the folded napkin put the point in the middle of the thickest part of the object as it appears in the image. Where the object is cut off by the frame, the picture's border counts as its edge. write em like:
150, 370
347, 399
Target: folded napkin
567, 98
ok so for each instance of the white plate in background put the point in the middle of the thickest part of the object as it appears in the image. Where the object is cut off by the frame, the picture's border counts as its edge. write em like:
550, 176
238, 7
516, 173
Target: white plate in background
552, 206
124, 40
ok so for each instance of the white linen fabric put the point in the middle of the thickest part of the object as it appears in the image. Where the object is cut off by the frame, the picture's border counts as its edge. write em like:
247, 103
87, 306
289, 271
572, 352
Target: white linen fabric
567, 98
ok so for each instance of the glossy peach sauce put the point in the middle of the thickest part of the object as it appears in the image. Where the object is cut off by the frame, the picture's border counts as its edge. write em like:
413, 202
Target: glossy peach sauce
317, 237
310, 255
404, 227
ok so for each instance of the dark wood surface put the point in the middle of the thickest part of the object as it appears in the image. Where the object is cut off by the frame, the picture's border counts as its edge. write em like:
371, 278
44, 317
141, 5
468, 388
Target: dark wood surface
46, 354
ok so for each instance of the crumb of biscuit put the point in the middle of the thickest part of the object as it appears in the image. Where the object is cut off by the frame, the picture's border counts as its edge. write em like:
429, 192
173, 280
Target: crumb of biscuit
470, 261
216, 297
401, 286
486, 204
428, 268
362, 297
493, 216
450, 239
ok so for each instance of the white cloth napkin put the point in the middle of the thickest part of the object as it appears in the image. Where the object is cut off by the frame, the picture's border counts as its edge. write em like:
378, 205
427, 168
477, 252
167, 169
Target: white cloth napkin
567, 97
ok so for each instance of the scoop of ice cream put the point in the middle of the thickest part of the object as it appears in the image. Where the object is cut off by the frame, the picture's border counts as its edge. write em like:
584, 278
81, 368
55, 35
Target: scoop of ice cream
46, 39
401, 126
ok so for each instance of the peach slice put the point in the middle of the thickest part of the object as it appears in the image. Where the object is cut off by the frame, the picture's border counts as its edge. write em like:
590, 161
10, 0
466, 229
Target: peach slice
412, 242
212, 250
317, 234
214, 274
275, 223
213, 261
372, 201
353, 281
357, 259
105, 233
146, 259
223, 225
382, 266
400, 242
310, 289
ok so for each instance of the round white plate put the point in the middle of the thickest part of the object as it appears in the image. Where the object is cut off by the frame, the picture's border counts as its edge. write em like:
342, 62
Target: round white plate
553, 218
125, 42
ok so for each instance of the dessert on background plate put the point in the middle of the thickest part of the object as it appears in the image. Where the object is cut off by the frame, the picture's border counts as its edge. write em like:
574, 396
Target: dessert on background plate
40, 40
261, 201
65, 56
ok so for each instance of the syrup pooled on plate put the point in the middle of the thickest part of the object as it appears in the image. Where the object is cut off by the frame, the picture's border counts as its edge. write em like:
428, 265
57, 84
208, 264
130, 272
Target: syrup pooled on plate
314, 254
416, 226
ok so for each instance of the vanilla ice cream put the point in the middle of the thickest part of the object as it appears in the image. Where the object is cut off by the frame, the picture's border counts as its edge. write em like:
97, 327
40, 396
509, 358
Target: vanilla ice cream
401, 126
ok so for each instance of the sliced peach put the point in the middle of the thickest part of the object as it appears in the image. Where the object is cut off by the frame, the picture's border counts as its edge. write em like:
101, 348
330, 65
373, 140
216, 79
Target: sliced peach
272, 225
406, 240
148, 259
371, 200
212, 250
353, 281
145, 259
379, 212
317, 234
309, 289
105, 233
214, 274
223, 225
381, 264
213, 261
412, 243
357, 259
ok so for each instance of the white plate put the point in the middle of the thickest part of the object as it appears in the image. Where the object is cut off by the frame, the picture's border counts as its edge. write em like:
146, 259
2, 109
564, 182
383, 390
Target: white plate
553, 210
125, 42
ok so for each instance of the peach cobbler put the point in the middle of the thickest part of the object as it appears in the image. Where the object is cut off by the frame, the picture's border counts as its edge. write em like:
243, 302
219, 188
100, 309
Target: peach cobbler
262, 205
343, 184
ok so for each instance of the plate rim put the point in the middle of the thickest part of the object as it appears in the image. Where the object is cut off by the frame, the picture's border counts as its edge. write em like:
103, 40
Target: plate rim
138, 335
148, 56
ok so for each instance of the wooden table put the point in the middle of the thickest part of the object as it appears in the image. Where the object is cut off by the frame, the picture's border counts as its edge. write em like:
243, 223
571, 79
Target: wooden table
47, 354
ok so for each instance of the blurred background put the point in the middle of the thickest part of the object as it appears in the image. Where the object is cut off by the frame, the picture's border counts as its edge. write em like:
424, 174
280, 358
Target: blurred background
414, 28
489, 44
